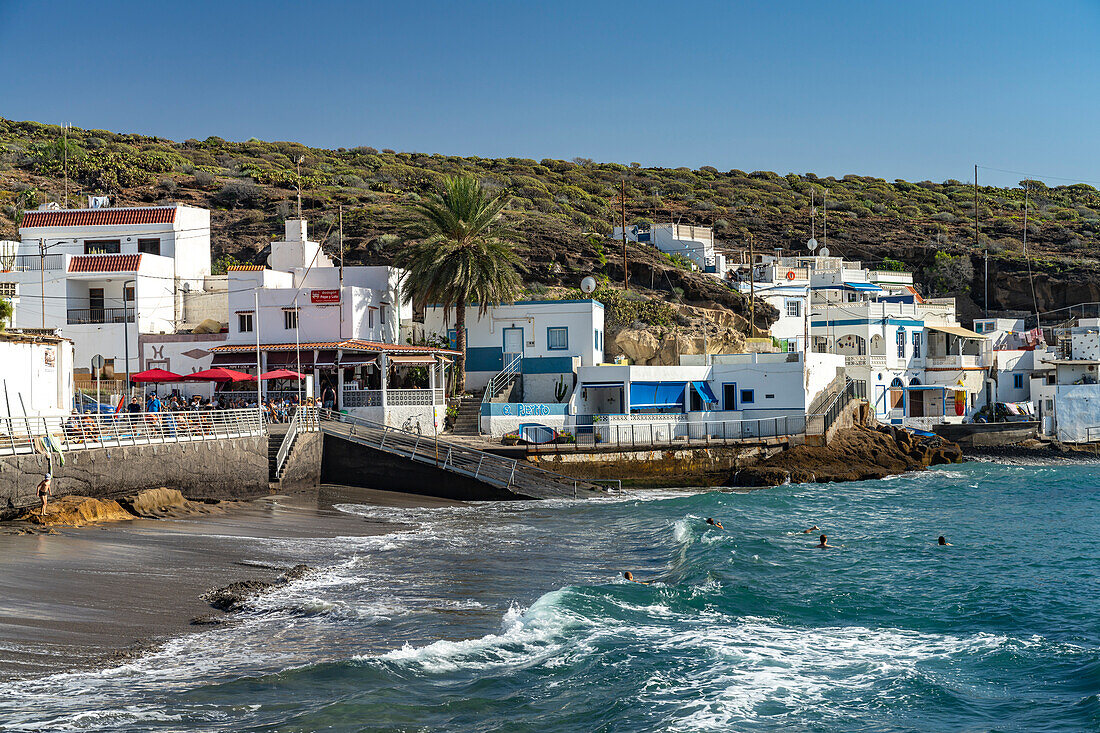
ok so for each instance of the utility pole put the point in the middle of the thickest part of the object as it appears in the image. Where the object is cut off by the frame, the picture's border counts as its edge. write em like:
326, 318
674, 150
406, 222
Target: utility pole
752, 290
825, 218
300, 159
626, 273
1027, 257
341, 240
65, 155
42, 279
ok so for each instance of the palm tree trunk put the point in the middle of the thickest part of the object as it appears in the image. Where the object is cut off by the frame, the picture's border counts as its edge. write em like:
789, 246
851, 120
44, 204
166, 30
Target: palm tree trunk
460, 346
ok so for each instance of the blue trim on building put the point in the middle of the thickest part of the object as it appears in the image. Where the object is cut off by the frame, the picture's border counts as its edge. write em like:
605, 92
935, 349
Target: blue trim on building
531, 302
547, 365
484, 359
522, 409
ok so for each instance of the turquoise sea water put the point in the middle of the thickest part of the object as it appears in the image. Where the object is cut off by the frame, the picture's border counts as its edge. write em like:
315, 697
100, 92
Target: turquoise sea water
515, 617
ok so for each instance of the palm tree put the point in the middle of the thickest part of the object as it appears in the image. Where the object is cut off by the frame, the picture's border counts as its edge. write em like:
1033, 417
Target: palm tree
462, 261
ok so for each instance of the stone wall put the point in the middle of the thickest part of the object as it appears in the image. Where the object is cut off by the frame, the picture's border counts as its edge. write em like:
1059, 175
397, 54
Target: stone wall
231, 468
303, 465
669, 468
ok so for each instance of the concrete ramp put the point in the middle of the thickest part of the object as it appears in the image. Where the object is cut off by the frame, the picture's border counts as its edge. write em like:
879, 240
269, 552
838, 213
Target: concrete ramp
495, 476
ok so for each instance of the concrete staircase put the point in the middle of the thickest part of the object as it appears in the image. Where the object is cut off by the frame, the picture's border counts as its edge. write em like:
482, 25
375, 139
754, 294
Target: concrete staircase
468, 421
275, 433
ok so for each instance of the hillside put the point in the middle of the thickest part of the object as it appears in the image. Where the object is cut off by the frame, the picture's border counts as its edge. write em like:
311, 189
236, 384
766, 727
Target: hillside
562, 211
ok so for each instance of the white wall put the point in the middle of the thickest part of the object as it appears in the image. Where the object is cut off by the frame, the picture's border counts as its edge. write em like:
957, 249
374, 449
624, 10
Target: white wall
37, 378
1077, 408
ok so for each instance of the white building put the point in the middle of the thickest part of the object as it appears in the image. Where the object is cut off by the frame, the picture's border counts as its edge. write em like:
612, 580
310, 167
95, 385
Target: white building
694, 243
101, 277
340, 326
547, 338
37, 375
1065, 386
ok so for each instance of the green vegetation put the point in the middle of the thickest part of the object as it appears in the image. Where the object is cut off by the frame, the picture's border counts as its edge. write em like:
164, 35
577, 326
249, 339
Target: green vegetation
623, 308
950, 274
7, 310
461, 261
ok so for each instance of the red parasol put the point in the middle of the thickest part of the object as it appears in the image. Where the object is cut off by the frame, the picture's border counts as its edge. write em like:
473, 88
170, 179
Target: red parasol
156, 376
219, 374
282, 374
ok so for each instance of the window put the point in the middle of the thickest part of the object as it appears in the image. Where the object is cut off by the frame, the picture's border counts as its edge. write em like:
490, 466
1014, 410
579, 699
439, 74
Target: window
149, 246
101, 246
794, 308
747, 397
557, 338
596, 339
979, 327
382, 315
1018, 381
1050, 405
370, 317
729, 396
290, 319
901, 343
128, 294
1050, 379
916, 344
244, 322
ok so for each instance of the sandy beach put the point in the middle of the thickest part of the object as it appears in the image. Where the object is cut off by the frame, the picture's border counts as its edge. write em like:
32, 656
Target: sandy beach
85, 596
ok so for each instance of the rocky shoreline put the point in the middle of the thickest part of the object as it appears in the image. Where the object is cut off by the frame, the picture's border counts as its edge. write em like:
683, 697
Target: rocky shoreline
79, 511
858, 453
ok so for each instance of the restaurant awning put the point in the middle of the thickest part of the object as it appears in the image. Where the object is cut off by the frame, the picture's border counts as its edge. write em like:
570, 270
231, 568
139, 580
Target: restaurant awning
289, 359
866, 287
234, 360
353, 358
412, 360
656, 394
959, 331
602, 385
704, 391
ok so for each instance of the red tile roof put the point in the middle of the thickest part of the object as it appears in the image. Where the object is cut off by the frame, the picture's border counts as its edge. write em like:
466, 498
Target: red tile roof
347, 345
245, 268
99, 217
104, 263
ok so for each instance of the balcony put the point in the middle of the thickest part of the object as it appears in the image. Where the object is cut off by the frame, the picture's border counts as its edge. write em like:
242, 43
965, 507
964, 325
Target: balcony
956, 361
100, 315
32, 263
876, 360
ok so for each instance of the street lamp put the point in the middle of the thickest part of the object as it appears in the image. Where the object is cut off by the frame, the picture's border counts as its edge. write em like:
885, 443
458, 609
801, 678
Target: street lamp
126, 326
42, 249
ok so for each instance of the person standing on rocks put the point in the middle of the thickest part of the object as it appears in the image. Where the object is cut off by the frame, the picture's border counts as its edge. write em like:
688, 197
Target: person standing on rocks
44, 491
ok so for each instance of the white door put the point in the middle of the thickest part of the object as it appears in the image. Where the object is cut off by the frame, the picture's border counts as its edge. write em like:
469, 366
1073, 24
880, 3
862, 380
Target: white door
513, 344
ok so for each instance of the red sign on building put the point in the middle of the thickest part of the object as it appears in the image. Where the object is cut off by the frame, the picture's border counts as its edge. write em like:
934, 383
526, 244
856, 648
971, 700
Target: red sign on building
324, 296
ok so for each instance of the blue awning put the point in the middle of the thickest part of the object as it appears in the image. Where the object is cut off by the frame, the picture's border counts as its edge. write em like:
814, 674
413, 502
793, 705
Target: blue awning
703, 389
656, 394
867, 287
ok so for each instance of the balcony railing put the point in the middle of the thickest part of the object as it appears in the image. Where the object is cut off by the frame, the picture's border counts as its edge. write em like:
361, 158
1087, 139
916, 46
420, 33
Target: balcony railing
958, 361
101, 315
33, 263
394, 397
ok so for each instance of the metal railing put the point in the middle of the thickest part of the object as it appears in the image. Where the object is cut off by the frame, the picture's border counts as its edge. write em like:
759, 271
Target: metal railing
820, 422
86, 431
506, 473
305, 420
34, 263
1090, 432
394, 397
503, 378
632, 435
100, 315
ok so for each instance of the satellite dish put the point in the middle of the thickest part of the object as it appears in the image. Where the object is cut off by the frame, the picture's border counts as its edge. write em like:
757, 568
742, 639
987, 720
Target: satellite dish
824, 252
811, 245
588, 285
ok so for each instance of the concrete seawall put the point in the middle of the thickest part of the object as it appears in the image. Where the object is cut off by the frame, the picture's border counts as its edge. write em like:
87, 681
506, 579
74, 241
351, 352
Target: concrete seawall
353, 464
233, 468
679, 467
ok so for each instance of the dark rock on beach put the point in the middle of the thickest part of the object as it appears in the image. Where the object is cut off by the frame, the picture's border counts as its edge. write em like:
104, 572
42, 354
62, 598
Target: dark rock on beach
235, 596
854, 454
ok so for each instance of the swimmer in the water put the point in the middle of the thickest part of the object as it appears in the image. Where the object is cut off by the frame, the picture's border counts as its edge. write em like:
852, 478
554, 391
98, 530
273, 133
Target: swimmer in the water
943, 541
824, 542
714, 523
630, 576
814, 528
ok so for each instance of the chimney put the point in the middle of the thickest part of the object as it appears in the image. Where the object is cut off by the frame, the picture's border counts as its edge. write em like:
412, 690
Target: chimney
295, 230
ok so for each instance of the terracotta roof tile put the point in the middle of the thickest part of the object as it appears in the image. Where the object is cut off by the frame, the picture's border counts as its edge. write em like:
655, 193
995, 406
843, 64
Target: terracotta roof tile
244, 268
105, 263
99, 217
348, 345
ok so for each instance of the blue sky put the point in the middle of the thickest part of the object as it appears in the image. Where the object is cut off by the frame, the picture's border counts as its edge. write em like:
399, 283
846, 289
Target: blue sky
891, 89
